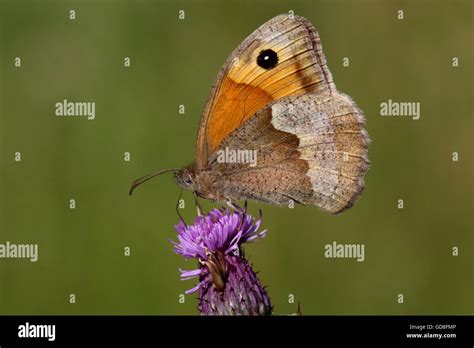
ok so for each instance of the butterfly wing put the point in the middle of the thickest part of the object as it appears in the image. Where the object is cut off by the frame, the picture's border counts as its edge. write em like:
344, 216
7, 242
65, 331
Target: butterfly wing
311, 149
243, 87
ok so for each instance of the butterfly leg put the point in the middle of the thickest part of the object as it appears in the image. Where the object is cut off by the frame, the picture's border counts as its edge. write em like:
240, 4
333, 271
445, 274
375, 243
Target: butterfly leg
200, 211
235, 207
177, 208
231, 204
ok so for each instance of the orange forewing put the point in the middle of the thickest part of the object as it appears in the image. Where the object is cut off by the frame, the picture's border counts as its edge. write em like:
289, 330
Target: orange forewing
233, 107
242, 87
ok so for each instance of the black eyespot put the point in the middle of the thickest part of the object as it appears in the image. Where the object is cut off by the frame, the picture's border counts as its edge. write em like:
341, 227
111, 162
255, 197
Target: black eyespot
267, 59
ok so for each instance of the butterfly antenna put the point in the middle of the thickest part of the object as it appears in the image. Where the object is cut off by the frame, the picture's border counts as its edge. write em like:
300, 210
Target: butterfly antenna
147, 177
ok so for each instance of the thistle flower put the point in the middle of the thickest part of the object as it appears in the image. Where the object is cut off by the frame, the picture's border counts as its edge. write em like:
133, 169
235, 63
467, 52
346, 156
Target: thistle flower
227, 284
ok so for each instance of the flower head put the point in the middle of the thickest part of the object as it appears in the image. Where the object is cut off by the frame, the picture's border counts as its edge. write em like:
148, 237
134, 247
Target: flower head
227, 283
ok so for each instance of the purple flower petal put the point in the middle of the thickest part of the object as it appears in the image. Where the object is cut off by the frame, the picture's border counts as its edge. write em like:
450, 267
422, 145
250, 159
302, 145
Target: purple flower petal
219, 230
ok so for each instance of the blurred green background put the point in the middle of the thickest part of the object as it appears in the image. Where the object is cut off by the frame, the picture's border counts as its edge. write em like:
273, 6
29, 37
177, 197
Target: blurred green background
407, 251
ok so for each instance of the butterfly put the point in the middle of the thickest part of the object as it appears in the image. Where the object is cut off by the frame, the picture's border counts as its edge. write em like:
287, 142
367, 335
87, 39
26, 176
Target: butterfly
275, 128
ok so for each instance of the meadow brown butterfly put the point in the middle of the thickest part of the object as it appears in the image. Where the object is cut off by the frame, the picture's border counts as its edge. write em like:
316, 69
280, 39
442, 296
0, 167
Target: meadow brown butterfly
275, 128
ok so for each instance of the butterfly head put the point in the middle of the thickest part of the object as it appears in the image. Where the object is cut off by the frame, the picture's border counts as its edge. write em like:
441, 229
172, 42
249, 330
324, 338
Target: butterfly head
185, 178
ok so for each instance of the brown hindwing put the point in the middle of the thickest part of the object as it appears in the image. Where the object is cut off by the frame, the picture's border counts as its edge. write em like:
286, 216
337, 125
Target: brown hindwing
311, 149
